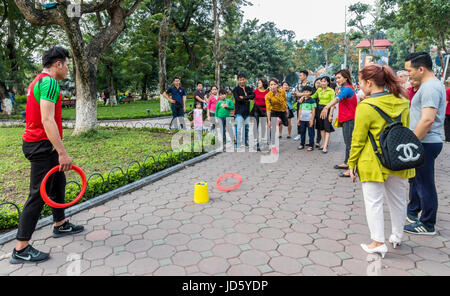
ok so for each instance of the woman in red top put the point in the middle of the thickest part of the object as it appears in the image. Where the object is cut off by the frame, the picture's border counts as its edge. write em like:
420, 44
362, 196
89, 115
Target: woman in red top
447, 115
259, 108
347, 108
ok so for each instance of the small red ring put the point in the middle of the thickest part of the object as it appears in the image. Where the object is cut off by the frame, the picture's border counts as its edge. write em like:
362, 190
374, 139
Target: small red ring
53, 204
229, 176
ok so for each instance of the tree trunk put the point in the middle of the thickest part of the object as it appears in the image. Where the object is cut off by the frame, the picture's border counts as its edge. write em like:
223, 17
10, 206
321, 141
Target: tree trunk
216, 43
10, 45
162, 48
144, 96
86, 104
112, 91
190, 51
412, 47
4, 99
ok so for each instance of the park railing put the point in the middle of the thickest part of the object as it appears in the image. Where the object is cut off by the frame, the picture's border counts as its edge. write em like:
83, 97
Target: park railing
116, 177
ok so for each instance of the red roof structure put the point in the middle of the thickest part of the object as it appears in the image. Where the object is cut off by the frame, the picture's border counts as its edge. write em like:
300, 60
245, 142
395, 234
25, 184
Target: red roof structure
378, 43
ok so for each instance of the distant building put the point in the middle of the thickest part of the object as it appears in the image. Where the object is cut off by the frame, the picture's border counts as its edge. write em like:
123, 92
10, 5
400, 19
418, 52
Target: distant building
381, 53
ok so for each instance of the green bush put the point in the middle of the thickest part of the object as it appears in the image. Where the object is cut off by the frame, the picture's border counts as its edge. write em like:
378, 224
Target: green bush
112, 180
20, 100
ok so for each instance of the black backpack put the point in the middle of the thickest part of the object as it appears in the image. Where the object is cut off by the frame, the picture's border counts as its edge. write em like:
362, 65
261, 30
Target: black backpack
400, 148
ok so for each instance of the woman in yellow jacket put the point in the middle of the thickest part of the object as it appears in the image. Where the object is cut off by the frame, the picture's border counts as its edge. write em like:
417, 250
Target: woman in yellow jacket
379, 183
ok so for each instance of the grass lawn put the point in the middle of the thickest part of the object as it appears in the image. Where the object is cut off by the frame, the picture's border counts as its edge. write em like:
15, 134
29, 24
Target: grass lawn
133, 110
98, 152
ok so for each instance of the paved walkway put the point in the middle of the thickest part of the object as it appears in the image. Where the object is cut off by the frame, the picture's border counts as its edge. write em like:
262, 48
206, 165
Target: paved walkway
294, 217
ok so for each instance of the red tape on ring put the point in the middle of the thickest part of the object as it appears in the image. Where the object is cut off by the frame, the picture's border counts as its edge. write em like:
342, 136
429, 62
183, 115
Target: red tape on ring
53, 204
229, 176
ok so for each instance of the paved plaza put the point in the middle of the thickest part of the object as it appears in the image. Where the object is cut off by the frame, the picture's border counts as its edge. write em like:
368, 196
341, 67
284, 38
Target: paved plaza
292, 217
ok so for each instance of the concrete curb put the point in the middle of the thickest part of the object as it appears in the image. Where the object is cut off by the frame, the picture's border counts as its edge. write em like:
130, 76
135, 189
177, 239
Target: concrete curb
9, 236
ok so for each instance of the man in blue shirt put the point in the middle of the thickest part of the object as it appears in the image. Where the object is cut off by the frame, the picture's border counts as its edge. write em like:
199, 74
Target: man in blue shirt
177, 99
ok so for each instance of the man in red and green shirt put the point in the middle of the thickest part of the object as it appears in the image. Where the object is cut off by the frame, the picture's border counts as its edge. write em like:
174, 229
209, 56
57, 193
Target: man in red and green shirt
43, 147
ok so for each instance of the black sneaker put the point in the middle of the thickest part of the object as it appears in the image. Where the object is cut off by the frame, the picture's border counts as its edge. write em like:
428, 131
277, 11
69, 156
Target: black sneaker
66, 229
28, 255
411, 219
419, 228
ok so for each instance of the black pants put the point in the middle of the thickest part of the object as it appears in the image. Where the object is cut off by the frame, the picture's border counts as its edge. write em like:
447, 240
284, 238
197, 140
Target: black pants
447, 128
43, 158
284, 120
347, 131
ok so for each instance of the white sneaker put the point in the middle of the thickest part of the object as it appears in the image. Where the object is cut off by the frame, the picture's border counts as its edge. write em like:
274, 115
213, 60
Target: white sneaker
298, 138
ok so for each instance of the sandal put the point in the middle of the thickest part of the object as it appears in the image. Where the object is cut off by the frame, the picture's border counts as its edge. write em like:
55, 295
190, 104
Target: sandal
344, 175
338, 167
310, 149
301, 148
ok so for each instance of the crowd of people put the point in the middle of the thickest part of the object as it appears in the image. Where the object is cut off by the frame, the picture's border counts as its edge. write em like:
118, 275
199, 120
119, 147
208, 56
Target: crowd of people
421, 108
413, 96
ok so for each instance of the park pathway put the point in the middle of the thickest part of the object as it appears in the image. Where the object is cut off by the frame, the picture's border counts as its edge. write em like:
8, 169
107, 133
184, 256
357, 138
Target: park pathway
292, 217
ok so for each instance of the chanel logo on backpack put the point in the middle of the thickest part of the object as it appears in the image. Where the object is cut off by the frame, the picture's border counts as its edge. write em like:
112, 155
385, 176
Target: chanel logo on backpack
408, 152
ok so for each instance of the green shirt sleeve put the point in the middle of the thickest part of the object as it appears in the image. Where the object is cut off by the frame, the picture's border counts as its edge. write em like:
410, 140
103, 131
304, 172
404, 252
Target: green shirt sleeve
230, 105
316, 94
49, 90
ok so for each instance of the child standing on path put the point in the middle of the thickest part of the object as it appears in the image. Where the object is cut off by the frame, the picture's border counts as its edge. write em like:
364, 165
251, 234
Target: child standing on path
212, 103
198, 117
223, 108
306, 115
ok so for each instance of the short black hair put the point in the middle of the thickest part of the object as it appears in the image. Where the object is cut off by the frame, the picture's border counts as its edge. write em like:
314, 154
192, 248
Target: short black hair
286, 83
304, 72
327, 79
53, 55
199, 83
222, 91
241, 75
176, 77
264, 82
308, 88
420, 59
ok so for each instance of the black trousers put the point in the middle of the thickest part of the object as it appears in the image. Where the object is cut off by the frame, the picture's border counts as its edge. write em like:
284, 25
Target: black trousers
447, 128
284, 120
43, 157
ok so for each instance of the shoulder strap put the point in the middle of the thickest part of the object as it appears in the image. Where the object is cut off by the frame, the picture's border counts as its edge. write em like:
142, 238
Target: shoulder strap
385, 116
375, 147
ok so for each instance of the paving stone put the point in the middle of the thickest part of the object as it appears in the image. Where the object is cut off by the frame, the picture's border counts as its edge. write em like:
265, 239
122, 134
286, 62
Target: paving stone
433, 268
292, 250
213, 265
285, 265
139, 245
226, 251
97, 253
143, 266
98, 235
254, 257
186, 258
317, 270
431, 254
170, 270
243, 270
324, 258
119, 259
263, 244
161, 251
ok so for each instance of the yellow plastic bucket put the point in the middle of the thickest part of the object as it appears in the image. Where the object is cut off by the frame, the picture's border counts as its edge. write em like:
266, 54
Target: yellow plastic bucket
201, 195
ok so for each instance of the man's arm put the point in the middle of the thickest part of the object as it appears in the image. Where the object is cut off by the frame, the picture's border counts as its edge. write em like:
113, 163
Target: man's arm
426, 122
51, 129
165, 95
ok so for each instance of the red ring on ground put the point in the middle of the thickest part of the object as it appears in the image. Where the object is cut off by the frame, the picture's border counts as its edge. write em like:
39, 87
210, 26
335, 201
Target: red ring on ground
229, 176
53, 204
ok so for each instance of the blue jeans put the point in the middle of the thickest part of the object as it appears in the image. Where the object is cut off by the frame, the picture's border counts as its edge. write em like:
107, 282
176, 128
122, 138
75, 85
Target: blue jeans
303, 128
240, 121
423, 196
